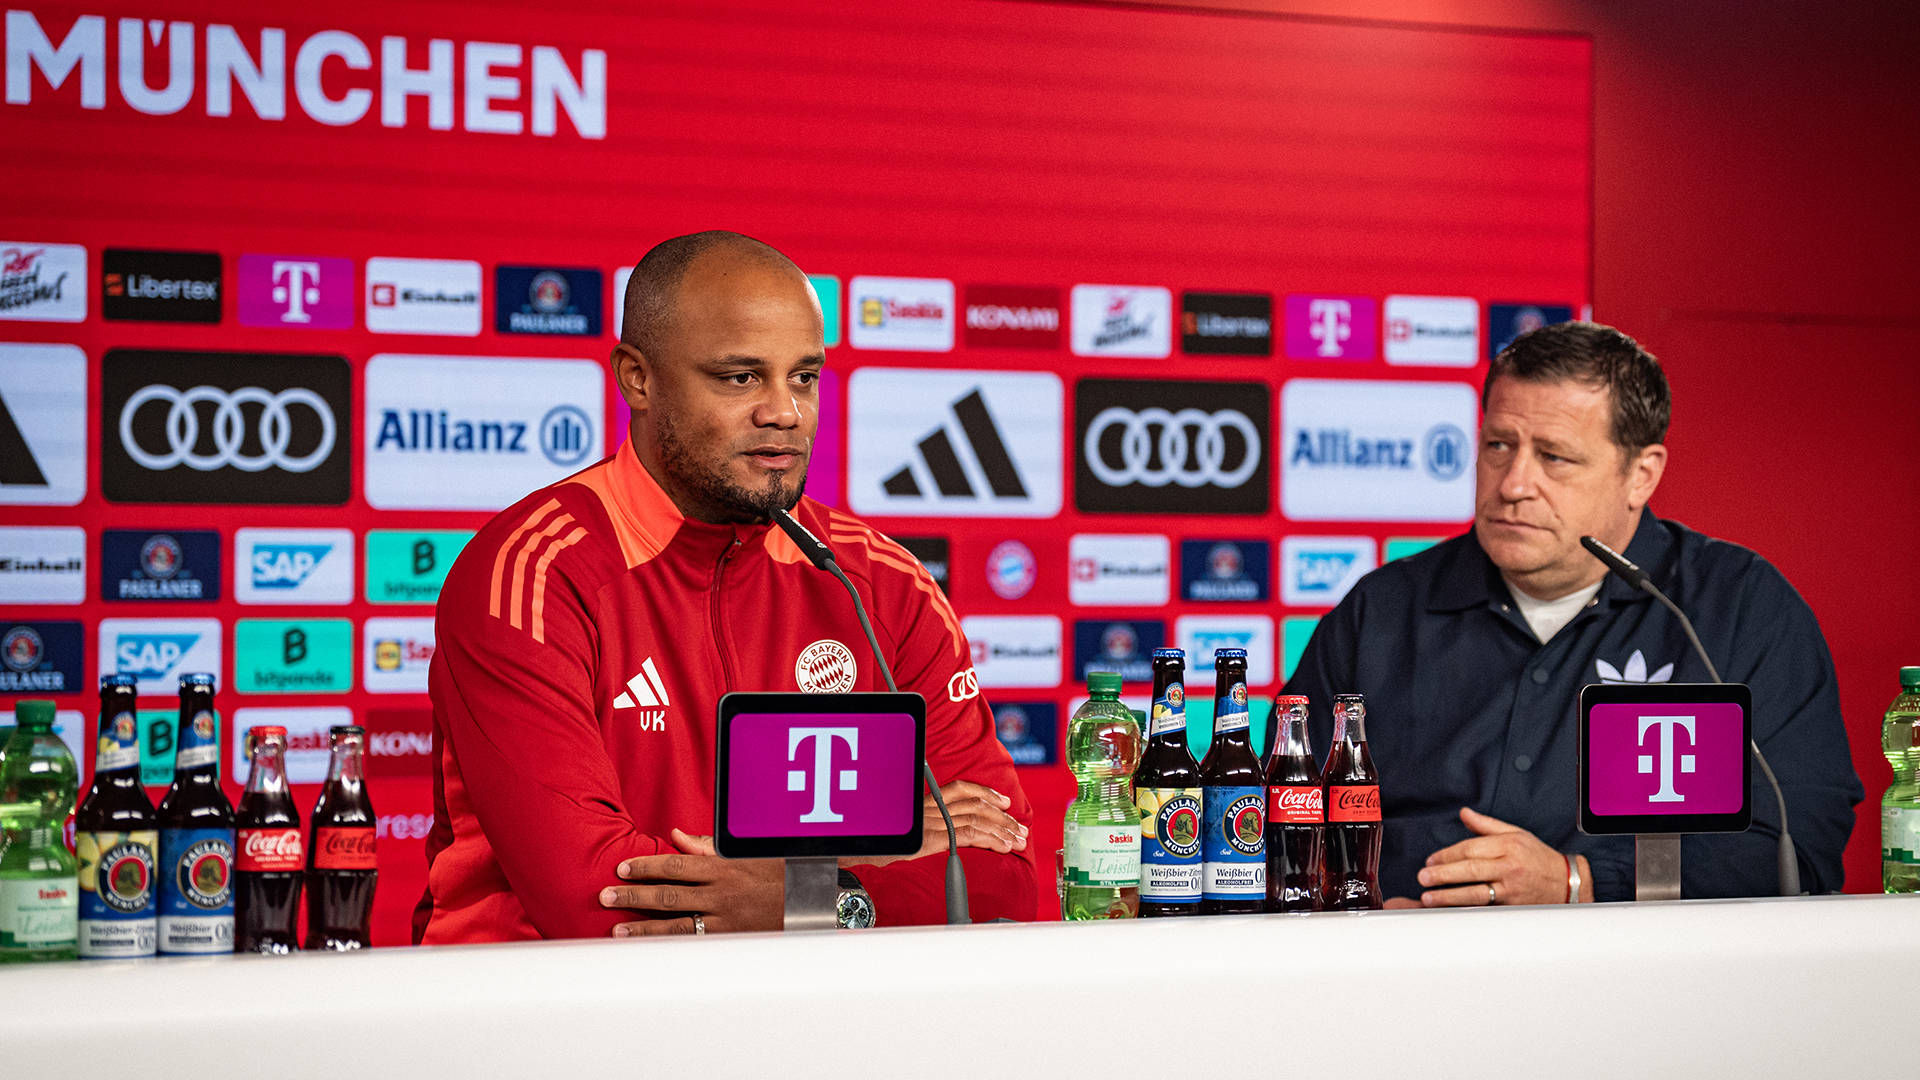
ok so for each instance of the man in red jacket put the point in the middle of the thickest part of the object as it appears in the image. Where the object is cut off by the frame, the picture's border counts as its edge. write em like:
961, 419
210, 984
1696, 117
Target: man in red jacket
587, 633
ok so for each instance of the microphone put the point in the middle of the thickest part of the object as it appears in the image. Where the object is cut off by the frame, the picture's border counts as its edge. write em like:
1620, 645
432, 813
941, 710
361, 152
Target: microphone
1789, 863
821, 556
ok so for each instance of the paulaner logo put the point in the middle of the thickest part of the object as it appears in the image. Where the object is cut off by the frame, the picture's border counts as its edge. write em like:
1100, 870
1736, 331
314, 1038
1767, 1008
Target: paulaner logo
823, 738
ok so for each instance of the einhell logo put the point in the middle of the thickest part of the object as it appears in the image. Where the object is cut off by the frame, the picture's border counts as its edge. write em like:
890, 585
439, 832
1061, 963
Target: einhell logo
496, 78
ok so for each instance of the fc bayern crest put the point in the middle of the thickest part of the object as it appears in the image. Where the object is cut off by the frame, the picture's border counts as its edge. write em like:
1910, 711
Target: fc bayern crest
1011, 570
825, 667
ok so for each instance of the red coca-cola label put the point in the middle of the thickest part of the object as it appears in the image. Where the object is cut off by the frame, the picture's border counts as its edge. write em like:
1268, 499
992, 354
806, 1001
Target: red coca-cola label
343, 849
1353, 803
1293, 805
269, 849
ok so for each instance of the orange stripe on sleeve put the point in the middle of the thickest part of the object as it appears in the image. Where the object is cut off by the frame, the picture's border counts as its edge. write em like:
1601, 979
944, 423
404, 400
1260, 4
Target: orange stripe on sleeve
520, 564
540, 580
500, 560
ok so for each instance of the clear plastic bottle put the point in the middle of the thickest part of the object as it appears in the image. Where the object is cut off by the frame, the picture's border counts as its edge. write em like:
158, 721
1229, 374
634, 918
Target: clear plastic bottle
39, 877
1900, 807
1103, 824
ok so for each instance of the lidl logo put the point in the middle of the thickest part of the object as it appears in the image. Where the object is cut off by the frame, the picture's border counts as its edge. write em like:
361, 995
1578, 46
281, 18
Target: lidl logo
395, 655
408, 567
158, 651
293, 656
294, 566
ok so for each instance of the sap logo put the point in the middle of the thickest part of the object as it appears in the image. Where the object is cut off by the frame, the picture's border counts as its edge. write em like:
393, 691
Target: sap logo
1361, 450
1202, 635
1320, 569
151, 656
294, 566
646, 691
156, 651
283, 566
954, 443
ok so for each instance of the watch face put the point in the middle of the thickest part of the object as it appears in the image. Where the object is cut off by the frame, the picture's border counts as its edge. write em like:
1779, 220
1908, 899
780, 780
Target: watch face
855, 910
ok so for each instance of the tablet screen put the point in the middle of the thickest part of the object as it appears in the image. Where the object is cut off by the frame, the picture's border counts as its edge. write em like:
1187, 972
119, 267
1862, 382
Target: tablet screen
1664, 758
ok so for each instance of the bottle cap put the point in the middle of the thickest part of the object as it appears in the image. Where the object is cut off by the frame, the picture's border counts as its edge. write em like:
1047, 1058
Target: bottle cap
119, 680
1103, 682
1169, 654
1910, 678
1349, 699
343, 730
262, 731
33, 715
1289, 699
1229, 654
196, 679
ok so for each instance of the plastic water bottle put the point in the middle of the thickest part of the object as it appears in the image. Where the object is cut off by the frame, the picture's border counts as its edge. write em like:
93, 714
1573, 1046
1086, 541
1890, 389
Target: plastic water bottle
1103, 824
39, 877
1900, 807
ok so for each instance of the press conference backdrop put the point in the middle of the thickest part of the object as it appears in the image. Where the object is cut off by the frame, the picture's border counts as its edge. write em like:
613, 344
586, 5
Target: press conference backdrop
1145, 328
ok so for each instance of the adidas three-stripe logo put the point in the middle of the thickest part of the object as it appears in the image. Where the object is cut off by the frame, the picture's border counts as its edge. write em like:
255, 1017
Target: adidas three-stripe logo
941, 459
645, 689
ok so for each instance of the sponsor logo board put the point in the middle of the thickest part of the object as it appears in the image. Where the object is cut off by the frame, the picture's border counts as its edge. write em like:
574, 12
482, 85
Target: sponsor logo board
1122, 320
1123, 646
1214, 571
293, 656
43, 282
1011, 570
477, 433
1356, 450
1399, 547
1296, 631
931, 443
41, 658
1012, 317
203, 427
1014, 651
309, 740
1158, 446
1317, 571
296, 292
137, 564
546, 300
408, 567
1332, 327
293, 566
1111, 570
43, 425
400, 743
1226, 324
933, 553
160, 286
423, 296
1200, 635
910, 314
43, 564
1029, 730
1439, 331
158, 651
1508, 321
826, 289
395, 655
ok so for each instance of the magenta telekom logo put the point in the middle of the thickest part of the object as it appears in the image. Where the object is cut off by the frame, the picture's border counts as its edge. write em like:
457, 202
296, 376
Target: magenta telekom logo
1332, 327
1667, 759
304, 292
826, 774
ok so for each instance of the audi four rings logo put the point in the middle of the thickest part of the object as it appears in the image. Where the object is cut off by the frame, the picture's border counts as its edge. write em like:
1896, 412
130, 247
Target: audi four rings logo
274, 428
1189, 463
204, 427
1161, 446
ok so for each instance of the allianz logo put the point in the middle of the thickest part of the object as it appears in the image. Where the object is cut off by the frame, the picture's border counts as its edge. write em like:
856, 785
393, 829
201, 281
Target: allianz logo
565, 434
151, 656
1444, 451
1321, 571
285, 566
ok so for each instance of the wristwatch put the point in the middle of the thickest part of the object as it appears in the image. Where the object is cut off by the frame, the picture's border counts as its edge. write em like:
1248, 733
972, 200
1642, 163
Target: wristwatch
855, 907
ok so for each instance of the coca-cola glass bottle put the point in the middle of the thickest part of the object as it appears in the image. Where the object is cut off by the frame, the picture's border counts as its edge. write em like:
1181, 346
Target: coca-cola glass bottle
1352, 857
340, 866
1296, 811
269, 858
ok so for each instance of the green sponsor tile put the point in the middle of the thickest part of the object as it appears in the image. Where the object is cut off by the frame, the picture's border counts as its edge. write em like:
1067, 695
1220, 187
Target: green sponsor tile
827, 288
293, 656
1399, 547
1294, 632
408, 566
159, 728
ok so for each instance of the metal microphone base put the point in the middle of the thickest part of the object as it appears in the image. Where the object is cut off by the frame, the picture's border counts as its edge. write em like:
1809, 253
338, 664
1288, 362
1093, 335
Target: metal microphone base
1656, 866
813, 894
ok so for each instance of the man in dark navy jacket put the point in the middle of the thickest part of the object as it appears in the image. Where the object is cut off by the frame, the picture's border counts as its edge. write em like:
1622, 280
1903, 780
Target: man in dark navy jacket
1472, 653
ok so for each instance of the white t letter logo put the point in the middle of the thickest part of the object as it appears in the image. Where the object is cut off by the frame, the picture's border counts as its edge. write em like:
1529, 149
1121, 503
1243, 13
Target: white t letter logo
1329, 323
300, 289
822, 767
1667, 724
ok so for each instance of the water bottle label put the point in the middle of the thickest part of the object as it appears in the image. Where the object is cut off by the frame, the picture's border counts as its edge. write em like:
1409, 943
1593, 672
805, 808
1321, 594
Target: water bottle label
1169, 844
1295, 804
343, 848
1169, 712
1900, 835
116, 877
269, 850
1103, 856
1234, 843
1230, 713
38, 913
1360, 803
119, 744
196, 890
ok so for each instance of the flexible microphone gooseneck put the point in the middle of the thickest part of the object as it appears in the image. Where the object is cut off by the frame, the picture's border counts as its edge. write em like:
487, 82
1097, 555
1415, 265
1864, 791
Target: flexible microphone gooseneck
1617, 563
821, 556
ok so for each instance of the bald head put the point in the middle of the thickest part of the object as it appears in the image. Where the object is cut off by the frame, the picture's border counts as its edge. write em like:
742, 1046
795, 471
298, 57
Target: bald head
653, 292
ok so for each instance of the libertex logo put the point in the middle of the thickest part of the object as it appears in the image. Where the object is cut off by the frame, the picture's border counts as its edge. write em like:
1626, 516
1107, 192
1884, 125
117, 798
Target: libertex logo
646, 691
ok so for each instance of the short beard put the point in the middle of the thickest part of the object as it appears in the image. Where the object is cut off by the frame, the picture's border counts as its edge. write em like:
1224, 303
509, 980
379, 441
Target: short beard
722, 499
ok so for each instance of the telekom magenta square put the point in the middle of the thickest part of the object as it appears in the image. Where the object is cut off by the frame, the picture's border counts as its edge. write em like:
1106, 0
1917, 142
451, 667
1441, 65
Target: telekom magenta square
1332, 327
299, 292
823, 774
1667, 759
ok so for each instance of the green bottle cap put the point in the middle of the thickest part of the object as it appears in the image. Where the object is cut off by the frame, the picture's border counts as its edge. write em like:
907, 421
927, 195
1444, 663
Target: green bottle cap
1910, 678
1104, 683
33, 715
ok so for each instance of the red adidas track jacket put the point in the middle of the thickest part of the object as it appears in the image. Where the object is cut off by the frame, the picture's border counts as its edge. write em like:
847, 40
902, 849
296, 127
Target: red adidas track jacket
584, 639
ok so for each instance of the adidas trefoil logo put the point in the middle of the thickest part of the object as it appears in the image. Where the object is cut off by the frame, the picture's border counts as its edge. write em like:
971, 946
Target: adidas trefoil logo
646, 691
1636, 671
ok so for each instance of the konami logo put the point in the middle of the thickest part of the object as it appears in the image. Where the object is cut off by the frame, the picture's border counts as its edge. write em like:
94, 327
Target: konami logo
399, 742
1012, 317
